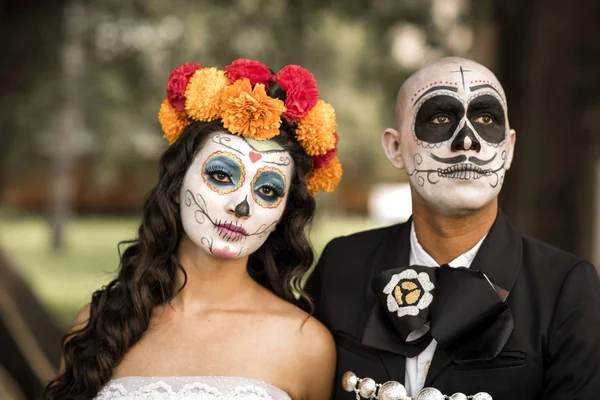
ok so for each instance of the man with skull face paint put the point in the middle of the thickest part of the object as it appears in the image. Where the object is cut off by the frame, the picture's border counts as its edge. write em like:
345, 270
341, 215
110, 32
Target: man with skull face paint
502, 316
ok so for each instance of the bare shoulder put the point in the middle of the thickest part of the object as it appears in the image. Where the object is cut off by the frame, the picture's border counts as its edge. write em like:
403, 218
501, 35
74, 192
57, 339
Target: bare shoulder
82, 319
315, 354
315, 338
310, 348
304, 332
302, 328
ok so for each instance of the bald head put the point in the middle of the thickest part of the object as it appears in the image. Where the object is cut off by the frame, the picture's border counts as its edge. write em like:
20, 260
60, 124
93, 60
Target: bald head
452, 135
453, 74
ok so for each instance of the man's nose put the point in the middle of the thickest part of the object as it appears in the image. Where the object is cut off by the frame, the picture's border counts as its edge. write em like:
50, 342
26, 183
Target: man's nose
465, 140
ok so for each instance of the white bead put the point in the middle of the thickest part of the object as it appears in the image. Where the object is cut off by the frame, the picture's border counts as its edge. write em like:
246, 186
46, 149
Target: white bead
458, 396
349, 381
391, 390
367, 388
482, 396
429, 394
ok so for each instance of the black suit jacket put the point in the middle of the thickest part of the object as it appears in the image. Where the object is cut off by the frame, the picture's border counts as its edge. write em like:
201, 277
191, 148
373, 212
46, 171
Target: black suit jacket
553, 352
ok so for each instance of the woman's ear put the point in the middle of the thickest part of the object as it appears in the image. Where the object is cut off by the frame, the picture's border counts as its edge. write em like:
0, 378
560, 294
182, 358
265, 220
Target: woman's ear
392, 147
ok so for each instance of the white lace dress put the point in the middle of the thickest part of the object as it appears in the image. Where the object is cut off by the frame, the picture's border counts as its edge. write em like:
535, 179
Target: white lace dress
189, 387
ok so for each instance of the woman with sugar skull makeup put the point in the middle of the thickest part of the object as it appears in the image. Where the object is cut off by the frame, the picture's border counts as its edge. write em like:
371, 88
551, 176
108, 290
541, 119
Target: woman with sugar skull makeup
454, 303
207, 301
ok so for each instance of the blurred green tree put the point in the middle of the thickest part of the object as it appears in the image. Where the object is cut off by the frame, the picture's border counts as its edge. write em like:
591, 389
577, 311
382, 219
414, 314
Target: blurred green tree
359, 50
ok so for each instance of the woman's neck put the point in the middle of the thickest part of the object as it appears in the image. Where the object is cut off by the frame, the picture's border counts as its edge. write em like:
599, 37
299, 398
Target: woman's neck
210, 282
445, 237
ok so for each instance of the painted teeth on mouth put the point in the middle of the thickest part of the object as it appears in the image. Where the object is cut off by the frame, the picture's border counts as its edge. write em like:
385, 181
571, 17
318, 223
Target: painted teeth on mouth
463, 175
463, 172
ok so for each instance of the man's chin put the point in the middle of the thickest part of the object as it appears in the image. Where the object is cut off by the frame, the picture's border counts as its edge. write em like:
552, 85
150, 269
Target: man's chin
457, 203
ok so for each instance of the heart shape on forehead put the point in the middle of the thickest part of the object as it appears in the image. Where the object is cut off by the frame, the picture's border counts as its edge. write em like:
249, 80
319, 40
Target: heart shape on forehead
254, 157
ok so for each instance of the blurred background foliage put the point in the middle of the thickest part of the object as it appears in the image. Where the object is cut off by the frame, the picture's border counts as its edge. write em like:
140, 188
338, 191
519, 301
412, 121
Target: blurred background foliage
81, 83
119, 54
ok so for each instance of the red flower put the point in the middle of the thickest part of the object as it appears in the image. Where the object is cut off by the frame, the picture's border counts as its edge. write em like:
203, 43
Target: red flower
177, 84
255, 71
301, 92
324, 159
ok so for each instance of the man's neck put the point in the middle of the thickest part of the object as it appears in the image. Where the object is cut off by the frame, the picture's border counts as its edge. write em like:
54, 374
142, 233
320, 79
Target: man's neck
445, 237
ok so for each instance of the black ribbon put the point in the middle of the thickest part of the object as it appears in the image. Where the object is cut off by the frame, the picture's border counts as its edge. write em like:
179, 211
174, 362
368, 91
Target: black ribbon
466, 315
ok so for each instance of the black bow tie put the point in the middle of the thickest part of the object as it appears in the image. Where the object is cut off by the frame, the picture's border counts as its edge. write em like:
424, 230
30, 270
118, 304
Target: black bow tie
460, 308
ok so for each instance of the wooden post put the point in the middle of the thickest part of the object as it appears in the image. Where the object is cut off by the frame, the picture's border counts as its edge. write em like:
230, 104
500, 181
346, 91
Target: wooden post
71, 121
548, 61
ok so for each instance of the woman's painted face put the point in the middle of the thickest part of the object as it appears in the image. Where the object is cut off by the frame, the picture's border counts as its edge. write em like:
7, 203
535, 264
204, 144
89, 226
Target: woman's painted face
234, 193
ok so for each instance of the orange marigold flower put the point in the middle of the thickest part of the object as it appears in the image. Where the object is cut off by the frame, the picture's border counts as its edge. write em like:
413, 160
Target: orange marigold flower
326, 178
203, 94
172, 121
250, 112
316, 131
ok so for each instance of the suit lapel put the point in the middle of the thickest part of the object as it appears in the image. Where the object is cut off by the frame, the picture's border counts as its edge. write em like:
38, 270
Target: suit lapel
441, 361
393, 252
395, 365
501, 254
499, 258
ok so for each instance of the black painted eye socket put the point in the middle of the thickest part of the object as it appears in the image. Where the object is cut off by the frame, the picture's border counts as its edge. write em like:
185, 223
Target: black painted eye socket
437, 119
487, 115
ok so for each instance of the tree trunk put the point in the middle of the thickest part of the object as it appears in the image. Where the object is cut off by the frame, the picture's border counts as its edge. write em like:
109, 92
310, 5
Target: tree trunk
293, 44
71, 123
548, 60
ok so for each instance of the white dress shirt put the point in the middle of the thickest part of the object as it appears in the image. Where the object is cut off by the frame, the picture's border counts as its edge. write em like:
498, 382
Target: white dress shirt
417, 367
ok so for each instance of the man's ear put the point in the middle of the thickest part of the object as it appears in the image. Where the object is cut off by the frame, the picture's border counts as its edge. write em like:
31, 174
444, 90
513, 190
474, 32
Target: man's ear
392, 147
512, 137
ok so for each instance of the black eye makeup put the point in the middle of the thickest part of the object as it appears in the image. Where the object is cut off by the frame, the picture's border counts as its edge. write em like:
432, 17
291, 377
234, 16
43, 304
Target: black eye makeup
437, 119
487, 116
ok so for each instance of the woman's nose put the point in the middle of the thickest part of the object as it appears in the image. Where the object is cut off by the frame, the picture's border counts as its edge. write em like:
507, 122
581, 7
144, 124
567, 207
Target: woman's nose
242, 209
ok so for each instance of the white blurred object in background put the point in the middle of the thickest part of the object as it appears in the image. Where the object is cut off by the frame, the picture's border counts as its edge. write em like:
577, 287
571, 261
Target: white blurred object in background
390, 203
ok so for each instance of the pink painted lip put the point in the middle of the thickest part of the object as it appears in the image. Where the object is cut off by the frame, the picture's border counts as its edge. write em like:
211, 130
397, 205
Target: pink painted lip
224, 253
231, 231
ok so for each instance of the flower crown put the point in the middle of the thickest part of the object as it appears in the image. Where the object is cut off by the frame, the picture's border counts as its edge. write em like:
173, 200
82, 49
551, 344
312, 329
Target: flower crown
251, 101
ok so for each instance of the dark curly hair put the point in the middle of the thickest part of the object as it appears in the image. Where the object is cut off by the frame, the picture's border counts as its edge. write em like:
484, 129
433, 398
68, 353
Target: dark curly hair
120, 312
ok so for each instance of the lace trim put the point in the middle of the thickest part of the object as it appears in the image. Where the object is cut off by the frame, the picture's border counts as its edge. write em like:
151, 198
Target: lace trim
162, 390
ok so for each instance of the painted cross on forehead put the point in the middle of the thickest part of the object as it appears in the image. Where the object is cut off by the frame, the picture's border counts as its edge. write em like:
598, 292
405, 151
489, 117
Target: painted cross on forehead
462, 74
235, 192
454, 113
